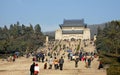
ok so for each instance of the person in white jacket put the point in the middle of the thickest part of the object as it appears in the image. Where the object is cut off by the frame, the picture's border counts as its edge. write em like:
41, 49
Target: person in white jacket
50, 61
36, 69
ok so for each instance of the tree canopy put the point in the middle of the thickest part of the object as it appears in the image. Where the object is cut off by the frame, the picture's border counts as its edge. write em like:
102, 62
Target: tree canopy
20, 38
108, 39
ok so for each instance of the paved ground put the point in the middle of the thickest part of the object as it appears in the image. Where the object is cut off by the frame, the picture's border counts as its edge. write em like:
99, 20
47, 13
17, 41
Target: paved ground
21, 67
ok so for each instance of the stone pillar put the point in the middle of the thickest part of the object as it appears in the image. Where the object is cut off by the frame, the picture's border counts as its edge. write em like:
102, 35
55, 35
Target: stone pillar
47, 40
94, 37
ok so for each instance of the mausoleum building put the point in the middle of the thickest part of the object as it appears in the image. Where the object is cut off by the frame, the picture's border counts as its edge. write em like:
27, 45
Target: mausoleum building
73, 29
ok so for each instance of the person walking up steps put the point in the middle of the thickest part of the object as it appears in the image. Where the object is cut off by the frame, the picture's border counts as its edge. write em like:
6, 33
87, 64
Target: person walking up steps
61, 61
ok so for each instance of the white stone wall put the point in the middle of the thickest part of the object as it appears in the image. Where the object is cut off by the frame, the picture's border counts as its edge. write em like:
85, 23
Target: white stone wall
86, 34
58, 34
70, 36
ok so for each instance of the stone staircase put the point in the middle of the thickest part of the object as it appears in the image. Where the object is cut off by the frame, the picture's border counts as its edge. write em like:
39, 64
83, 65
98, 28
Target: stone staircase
69, 66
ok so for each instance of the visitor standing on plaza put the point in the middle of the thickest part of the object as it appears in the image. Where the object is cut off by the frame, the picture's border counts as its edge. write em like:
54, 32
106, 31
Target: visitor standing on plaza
50, 61
100, 65
32, 68
43, 57
61, 61
36, 69
14, 57
68, 56
45, 66
89, 62
56, 63
76, 62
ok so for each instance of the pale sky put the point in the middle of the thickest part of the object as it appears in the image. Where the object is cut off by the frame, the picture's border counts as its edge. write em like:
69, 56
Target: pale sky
50, 13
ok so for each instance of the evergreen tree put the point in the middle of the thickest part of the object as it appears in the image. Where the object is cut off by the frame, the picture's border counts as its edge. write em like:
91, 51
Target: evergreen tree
108, 39
20, 38
37, 29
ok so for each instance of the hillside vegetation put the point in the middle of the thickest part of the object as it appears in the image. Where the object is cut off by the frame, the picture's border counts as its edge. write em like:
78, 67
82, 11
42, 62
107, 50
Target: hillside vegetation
20, 38
108, 46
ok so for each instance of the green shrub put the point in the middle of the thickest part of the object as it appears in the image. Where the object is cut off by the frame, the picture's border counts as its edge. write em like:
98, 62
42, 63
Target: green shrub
113, 70
78, 47
55, 47
106, 60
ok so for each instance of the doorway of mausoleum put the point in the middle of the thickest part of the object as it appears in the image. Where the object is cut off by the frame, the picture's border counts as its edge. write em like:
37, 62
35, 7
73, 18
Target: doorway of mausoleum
72, 39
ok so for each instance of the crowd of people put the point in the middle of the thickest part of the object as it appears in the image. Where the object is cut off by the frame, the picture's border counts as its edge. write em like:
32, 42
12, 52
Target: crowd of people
10, 58
53, 60
80, 56
58, 64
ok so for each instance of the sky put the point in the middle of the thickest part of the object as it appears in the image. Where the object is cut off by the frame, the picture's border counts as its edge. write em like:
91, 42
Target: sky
50, 13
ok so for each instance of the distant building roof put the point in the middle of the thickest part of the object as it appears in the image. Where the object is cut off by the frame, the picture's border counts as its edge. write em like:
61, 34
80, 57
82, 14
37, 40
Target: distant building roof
73, 23
72, 32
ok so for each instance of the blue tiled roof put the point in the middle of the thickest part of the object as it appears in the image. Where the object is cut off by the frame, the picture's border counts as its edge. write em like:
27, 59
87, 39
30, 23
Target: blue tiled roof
73, 23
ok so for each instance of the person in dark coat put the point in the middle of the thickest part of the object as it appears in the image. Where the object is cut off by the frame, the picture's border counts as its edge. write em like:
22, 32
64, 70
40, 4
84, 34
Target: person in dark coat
43, 57
32, 68
89, 62
45, 66
61, 61
100, 65
76, 62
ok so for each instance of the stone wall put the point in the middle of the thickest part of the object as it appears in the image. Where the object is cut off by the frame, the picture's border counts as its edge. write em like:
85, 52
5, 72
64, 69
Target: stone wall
86, 34
58, 34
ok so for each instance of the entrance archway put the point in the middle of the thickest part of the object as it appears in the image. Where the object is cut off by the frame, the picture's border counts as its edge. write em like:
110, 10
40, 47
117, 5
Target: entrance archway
72, 39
